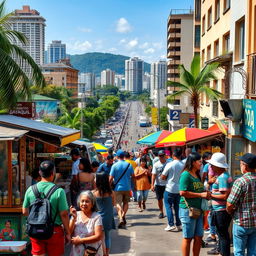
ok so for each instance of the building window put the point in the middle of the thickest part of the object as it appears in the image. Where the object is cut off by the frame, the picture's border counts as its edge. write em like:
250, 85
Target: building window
240, 42
216, 48
203, 57
217, 10
226, 43
226, 6
209, 20
215, 108
203, 25
197, 36
209, 52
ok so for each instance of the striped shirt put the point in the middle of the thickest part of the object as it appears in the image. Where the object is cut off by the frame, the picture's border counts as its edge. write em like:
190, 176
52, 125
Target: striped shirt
222, 184
243, 197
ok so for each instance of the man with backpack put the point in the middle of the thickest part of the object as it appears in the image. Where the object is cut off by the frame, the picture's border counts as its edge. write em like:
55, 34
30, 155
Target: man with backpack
46, 206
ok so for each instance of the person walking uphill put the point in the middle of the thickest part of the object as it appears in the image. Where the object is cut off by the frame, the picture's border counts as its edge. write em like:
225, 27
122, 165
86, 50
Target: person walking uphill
59, 208
121, 174
242, 203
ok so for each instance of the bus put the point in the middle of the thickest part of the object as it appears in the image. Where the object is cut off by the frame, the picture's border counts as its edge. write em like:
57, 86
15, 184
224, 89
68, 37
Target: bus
144, 121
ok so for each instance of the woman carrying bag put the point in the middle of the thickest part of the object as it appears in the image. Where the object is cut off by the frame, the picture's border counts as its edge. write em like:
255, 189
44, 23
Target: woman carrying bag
191, 213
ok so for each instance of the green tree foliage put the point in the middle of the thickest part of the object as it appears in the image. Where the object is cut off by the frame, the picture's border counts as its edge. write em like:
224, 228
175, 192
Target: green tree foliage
106, 90
14, 81
164, 125
194, 83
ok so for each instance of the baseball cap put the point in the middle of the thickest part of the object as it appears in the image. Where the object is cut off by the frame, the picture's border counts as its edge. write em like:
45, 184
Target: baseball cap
218, 159
75, 151
120, 153
161, 152
249, 159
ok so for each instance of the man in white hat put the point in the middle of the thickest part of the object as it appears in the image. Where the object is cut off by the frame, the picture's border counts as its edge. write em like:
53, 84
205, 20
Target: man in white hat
220, 191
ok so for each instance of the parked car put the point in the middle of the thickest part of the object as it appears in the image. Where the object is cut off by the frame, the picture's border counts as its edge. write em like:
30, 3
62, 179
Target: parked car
103, 134
109, 143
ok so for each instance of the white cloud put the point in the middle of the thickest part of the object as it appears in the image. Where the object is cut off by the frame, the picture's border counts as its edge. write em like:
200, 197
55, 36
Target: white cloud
79, 47
149, 50
132, 43
123, 26
113, 49
144, 46
85, 30
122, 41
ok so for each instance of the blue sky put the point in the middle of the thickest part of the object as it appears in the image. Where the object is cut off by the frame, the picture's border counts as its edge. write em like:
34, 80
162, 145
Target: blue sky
127, 27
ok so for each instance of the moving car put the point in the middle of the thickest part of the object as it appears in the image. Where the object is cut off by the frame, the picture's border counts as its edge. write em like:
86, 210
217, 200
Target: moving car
109, 143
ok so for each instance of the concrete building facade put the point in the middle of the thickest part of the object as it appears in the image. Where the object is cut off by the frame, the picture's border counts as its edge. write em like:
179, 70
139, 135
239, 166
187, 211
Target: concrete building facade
62, 74
86, 82
180, 50
56, 51
146, 81
107, 77
32, 25
118, 80
134, 70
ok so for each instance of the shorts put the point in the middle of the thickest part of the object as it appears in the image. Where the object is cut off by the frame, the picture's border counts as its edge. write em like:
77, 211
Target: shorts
191, 227
142, 195
159, 192
122, 197
49, 246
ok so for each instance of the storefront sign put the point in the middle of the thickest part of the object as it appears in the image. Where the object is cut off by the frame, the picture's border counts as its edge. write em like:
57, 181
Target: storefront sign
175, 115
191, 121
46, 109
249, 122
184, 118
24, 109
204, 123
154, 116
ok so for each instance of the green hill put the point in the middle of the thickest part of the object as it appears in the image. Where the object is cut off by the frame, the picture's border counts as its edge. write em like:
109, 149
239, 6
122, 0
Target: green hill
95, 62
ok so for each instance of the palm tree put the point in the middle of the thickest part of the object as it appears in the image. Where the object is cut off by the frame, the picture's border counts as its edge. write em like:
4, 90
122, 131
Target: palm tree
194, 84
14, 81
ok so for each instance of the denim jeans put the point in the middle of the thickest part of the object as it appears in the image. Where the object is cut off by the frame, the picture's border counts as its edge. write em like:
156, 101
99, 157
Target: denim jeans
142, 195
244, 238
212, 227
172, 200
222, 219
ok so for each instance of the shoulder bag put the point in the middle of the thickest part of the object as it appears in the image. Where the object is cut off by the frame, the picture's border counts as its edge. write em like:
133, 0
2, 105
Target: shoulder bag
194, 213
113, 185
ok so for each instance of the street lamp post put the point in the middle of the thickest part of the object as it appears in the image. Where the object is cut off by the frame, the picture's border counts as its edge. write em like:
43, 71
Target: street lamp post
82, 115
158, 105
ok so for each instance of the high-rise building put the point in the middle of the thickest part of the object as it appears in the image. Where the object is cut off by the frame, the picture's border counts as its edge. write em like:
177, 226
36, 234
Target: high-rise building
86, 82
158, 76
118, 80
107, 77
197, 26
146, 81
134, 69
56, 51
180, 50
32, 25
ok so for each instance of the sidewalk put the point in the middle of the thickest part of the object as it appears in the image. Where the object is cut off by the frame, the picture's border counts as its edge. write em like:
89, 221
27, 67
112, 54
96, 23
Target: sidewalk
145, 235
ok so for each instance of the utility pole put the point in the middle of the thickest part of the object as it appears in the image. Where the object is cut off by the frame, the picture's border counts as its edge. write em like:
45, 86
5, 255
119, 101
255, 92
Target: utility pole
82, 115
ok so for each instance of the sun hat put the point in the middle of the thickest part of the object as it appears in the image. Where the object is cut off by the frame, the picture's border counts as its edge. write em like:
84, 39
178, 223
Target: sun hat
219, 160
249, 159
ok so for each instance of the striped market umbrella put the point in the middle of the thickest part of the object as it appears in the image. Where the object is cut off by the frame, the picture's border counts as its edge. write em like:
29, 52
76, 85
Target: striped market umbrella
186, 135
99, 147
153, 138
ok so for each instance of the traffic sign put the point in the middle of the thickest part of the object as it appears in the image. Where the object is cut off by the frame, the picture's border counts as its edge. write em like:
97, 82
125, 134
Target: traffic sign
175, 114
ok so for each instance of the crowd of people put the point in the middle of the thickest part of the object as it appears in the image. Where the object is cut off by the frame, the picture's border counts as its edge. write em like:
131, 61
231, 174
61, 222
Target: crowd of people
196, 192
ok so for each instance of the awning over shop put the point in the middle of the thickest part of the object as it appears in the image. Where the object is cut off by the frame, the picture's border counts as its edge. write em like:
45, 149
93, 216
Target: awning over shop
48, 133
7, 133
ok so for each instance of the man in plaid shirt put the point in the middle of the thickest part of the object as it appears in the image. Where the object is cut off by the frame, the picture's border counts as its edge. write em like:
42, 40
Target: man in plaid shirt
242, 202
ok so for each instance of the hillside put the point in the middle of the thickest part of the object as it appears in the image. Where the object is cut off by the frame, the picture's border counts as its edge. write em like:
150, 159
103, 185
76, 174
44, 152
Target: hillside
95, 62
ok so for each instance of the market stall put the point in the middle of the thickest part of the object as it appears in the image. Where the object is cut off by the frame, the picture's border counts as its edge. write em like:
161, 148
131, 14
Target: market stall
24, 144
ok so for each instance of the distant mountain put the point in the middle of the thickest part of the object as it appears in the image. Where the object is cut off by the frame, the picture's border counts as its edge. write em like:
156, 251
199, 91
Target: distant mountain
95, 62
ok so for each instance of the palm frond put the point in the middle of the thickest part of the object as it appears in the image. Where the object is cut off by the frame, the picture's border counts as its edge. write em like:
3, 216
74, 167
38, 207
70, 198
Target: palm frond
207, 74
185, 77
195, 66
180, 86
172, 96
210, 92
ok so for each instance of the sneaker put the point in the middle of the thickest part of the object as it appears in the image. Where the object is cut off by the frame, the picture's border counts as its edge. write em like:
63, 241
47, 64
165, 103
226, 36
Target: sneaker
179, 228
170, 228
214, 251
161, 215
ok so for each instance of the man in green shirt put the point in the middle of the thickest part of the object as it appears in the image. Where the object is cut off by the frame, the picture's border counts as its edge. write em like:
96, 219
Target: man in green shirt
53, 246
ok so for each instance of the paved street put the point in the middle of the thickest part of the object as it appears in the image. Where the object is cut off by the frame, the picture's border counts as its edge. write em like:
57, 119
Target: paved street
145, 235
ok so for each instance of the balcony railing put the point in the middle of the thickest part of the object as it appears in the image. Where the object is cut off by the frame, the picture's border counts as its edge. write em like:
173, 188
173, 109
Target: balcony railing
181, 11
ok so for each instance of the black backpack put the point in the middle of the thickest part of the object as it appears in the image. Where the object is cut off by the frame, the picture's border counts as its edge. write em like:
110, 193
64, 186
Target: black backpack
40, 223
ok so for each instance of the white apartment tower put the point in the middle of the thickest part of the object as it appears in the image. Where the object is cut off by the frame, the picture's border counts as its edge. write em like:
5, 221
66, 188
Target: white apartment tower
158, 76
146, 81
118, 80
56, 51
86, 82
32, 25
107, 77
134, 70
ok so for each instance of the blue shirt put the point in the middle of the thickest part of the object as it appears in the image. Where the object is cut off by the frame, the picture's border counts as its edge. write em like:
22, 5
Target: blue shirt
117, 169
104, 168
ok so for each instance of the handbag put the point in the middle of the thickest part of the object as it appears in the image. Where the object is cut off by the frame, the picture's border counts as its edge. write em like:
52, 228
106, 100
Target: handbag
194, 213
113, 185
90, 251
